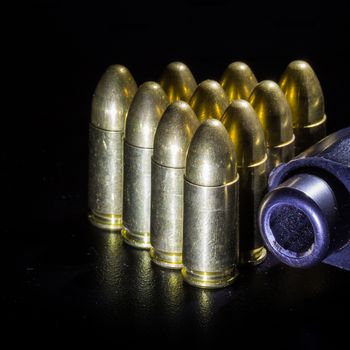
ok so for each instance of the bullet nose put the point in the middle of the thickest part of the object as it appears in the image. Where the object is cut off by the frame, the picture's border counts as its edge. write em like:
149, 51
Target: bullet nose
211, 158
246, 133
238, 81
178, 82
144, 114
304, 93
112, 98
209, 100
275, 116
273, 111
174, 133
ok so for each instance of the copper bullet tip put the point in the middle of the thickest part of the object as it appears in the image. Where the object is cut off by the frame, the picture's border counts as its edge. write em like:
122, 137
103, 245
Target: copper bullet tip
246, 133
145, 111
178, 82
211, 158
305, 97
112, 98
238, 81
303, 92
209, 100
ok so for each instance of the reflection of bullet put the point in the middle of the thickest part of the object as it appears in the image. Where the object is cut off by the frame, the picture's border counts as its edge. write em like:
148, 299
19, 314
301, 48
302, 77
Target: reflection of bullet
248, 138
209, 100
110, 105
238, 81
168, 297
210, 237
178, 82
275, 116
173, 136
305, 97
145, 112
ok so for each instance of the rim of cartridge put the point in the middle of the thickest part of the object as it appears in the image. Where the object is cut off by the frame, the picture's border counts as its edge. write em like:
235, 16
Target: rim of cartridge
210, 280
166, 259
137, 240
110, 222
253, 257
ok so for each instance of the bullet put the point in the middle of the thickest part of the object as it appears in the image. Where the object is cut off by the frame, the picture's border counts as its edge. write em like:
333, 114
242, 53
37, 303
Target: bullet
178, 82
275, 116
238, 81
110, 105
174, 133
209, 100
210, 236
247, 135
305, 97
144, 114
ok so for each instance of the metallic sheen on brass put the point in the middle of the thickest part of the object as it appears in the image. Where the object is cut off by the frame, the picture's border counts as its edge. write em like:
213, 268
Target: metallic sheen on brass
173, 136
247, 135
209, 101
238, 81
275, 116
110, 105
144, 114
210, 236
178, 82
305, 97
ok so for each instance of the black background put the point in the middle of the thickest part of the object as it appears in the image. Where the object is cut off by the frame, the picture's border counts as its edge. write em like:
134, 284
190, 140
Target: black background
62, 277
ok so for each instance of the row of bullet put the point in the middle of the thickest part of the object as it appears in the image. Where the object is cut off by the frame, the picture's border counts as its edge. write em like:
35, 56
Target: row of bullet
181, 168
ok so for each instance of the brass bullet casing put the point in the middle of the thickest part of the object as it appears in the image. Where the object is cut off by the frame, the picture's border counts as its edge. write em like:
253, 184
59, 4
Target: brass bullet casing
247, 135
275, 116
209, 100
305, 97
210, 236
110, 105
178, 82
238, 81
173, 136
144, 114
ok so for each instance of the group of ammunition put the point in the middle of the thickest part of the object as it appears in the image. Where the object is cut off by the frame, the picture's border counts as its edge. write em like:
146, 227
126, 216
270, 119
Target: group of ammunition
181, 168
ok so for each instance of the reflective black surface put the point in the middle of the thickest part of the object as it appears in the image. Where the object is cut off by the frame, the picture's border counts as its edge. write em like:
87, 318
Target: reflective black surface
65, 282
77, 278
